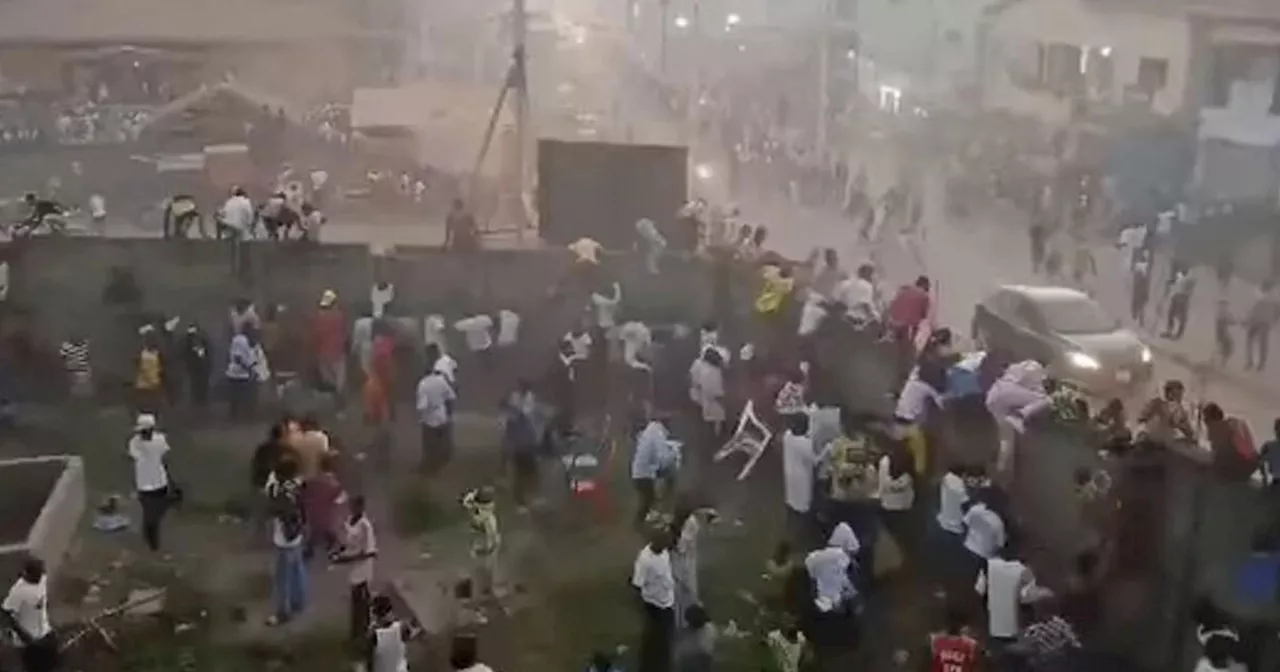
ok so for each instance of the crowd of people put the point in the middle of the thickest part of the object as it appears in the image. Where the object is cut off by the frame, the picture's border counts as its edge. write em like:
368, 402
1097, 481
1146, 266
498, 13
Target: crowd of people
857, 484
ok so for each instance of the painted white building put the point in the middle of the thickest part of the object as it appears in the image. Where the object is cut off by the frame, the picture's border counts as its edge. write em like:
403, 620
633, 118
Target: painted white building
1236, 65
1048, 58
928, 38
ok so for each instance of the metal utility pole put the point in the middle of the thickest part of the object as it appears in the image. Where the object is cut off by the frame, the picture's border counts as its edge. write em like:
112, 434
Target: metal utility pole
824, 75
520, 19
511, 200
664, 7
695, 84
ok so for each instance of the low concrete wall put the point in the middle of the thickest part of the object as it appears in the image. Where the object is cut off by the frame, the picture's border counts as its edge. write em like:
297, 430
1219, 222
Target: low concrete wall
58, 283
58, 515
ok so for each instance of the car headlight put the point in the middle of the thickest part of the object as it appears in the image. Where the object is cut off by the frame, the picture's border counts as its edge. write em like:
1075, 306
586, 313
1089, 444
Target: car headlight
1146, 355
1082, 361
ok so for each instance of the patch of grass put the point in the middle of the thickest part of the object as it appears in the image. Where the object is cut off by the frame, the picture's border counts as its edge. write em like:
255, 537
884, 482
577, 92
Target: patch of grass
417, 511
588, 605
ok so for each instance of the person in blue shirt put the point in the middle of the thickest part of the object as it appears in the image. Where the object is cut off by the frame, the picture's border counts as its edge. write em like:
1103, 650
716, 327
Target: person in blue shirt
656, 457
1270, 457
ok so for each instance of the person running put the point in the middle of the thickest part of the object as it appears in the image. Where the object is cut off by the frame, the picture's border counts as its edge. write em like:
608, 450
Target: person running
1224, 339
1180, 291
147, 448
1263, 313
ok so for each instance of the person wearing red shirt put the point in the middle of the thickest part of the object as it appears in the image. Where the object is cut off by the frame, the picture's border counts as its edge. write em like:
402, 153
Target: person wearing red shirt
910, 308
329, 339
380, 384
953, 650
379, 390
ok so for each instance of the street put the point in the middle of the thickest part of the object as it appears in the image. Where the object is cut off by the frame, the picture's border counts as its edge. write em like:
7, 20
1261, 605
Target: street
965, 259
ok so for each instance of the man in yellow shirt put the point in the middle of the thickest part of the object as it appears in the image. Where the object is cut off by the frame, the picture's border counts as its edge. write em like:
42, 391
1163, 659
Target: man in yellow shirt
148, 383
778, 284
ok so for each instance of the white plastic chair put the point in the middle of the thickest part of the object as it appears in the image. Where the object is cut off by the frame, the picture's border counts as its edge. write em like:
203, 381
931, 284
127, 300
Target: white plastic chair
751, 437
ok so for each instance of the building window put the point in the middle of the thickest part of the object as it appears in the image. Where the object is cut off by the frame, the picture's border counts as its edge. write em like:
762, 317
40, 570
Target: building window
1153, 74
1062, 68
1243, 69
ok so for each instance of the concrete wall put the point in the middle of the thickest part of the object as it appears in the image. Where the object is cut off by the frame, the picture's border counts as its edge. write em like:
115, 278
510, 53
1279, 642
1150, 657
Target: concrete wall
59, 507
59, 282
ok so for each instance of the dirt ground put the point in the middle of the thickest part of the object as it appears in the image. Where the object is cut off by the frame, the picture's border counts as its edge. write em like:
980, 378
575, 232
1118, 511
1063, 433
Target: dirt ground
566, 564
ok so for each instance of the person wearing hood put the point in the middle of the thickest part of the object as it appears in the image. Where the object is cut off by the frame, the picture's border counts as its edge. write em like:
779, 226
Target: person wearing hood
1017, 396
196, 353
486, 540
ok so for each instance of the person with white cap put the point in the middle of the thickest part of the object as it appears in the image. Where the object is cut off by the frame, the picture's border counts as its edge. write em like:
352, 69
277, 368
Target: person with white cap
147, 448
330, 342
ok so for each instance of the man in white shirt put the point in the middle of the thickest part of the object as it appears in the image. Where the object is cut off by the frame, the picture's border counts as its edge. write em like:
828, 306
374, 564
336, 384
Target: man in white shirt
433, 333
1132, 239
655, 583
477, 332
706, 379
952, 494
147, 448
799, 460
637, 343
812, 313
984, 532
434, 403
26, 607
381, 294
1006, 583
636, 340
362, 342
319, 178
605, 307
508, 328
858, 294
652, 242
98, 212
919, 394
828, 569
359, 548
238, 214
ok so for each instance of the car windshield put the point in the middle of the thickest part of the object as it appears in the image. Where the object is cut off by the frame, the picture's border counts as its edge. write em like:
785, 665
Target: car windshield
1076, 315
